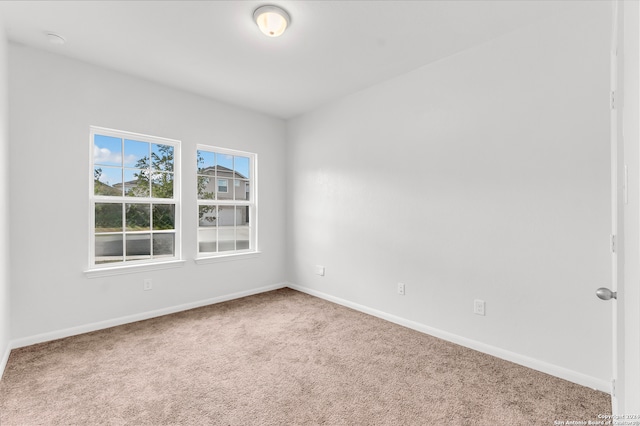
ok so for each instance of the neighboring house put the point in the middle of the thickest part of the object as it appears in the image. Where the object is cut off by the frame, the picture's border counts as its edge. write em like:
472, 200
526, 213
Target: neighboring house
214, 183
222, 183
128, 186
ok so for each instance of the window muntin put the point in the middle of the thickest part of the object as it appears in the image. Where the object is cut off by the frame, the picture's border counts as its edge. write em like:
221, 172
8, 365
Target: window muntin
134, 199
226, 204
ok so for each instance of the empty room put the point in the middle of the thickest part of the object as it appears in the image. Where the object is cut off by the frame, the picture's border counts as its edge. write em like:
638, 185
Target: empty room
341, 212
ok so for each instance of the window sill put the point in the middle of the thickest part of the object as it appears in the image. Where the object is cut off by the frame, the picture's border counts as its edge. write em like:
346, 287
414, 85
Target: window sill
227, 257
129, 269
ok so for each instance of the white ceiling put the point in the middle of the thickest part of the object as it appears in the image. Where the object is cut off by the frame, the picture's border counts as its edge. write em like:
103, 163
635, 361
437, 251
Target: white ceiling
213, 48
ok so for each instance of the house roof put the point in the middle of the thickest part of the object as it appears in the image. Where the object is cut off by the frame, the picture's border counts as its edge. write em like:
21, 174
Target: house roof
218, 169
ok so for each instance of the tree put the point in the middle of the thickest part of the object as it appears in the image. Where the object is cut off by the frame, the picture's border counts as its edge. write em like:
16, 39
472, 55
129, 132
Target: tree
155, 176
101, 188
108, 217
204, 212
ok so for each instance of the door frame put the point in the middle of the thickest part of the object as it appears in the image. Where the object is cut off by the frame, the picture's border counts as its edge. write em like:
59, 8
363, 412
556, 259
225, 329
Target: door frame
625, 145
618, 196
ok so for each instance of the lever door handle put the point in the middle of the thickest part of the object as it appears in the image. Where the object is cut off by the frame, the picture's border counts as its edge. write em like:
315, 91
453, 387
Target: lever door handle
606, 294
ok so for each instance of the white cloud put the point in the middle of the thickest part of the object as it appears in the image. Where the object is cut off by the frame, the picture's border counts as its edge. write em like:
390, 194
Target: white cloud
130, 160
105, 156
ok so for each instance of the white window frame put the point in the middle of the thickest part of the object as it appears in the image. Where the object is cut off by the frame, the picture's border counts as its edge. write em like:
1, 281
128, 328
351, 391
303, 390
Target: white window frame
138, 264
252, 204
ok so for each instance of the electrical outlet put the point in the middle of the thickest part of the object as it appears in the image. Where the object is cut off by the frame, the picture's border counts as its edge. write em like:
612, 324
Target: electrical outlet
401, 289
320, 270
148, 285
478, 307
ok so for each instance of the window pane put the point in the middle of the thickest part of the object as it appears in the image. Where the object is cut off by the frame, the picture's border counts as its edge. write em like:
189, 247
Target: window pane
242, 242
136, 183
243, 232
206, 163
162, 185
108, 249
226, 228
223, 185
138, 246
242, 216
206, 190
137, 217
241, 165
107, 150
225, 164
207, 240
107, 181
164, 216
136, 154
162, 157
163, 245
224, 192
207, 216
226, 238
108, 217
241, 189
226, 216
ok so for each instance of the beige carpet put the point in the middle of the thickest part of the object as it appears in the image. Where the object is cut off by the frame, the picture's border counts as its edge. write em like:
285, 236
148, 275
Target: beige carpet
279, 358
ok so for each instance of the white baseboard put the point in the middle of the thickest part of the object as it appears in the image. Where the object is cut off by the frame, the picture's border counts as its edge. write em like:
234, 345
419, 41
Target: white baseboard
4, 359
59, 334
535, 364
523, 360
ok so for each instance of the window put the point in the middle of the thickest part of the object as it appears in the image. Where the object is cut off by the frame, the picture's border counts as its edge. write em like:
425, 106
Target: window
135, 199
223, 185
226, 201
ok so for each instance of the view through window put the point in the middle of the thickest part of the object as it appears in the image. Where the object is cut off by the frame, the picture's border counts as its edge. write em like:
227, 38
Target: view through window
226, 201
134, 198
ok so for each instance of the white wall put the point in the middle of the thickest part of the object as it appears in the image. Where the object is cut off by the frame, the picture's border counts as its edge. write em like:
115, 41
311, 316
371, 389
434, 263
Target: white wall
53, 101
4, 208
504, 152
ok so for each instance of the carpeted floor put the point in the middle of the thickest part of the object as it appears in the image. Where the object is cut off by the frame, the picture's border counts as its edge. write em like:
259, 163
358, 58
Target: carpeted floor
278, 358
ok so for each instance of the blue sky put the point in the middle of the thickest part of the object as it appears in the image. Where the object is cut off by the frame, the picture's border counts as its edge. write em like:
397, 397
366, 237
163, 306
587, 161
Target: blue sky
107, 152
210, 159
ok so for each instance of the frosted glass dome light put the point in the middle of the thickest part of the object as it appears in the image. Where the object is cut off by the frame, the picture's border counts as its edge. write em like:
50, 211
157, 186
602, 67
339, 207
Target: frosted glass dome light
271, 20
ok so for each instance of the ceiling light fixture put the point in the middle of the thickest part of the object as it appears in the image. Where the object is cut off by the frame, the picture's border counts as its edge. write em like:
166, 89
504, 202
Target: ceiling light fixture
271, 20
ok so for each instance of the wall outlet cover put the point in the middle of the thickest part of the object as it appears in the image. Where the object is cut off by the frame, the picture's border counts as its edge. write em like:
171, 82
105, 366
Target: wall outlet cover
479, 307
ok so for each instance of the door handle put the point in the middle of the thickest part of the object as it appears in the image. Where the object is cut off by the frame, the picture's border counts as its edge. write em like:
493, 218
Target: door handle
606, 294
